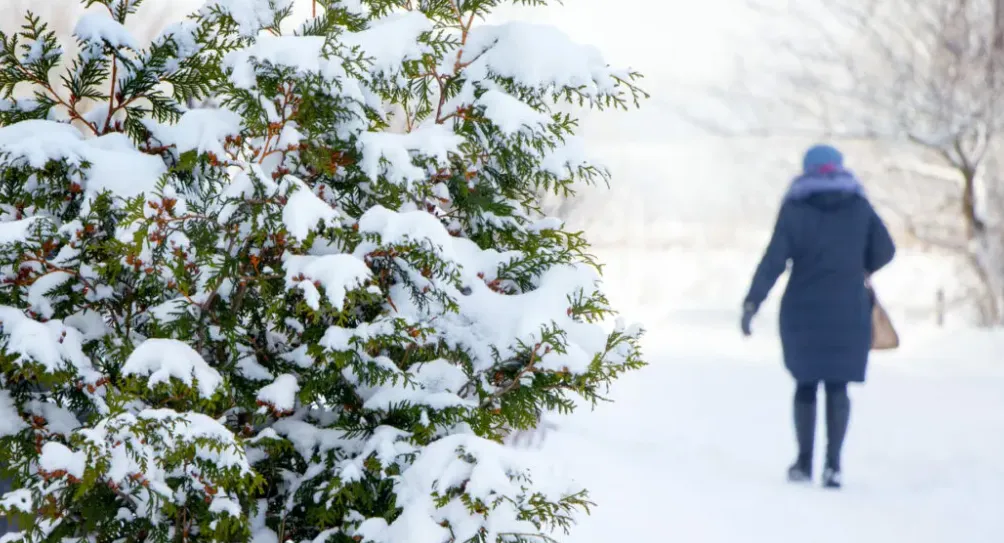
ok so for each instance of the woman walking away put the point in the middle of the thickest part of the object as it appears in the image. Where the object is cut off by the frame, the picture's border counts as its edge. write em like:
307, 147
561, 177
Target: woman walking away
834, 240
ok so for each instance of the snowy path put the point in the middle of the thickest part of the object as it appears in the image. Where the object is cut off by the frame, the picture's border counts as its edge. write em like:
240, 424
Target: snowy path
695, 447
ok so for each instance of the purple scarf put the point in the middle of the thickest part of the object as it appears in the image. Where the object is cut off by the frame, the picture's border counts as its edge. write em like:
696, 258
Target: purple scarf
841, 181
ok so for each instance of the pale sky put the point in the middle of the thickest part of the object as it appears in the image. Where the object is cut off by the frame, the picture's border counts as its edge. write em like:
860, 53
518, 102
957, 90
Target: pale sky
680, 46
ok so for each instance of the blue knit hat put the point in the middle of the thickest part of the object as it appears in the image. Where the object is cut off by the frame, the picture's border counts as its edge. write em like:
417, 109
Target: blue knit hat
822, 159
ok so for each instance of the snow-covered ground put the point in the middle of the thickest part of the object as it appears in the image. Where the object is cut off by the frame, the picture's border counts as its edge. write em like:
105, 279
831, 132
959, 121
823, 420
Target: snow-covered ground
695, 446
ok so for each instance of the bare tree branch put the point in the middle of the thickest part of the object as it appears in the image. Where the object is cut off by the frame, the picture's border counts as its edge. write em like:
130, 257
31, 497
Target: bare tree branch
928, 73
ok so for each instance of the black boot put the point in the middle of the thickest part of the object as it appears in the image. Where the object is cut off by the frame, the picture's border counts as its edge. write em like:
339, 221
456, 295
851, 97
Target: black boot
831, 477
838, 414
799, 472
805, 433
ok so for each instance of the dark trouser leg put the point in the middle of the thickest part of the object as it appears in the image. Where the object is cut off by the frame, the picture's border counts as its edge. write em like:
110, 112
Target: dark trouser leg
6, 485
838, 414
805, 423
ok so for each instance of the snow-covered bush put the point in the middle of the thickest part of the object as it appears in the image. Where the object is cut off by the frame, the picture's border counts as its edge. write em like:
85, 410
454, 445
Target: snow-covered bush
282, 319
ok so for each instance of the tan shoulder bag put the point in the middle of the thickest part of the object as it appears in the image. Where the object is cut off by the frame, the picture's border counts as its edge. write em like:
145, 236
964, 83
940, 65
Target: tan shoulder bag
884, 336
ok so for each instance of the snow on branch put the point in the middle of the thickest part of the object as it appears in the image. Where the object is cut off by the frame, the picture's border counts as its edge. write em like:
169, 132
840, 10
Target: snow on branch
160, 360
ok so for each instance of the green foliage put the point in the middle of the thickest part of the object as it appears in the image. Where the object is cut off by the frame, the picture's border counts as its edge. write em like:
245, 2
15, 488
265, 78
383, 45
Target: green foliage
291, 315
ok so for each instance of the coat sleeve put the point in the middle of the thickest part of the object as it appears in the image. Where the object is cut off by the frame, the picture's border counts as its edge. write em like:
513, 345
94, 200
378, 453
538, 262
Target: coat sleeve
774, 261
881, 248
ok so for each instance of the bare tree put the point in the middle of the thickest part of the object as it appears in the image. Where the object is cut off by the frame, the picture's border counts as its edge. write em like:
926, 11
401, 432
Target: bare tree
926, 75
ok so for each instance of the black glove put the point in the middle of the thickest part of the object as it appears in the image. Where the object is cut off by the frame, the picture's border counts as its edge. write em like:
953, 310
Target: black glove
749, 310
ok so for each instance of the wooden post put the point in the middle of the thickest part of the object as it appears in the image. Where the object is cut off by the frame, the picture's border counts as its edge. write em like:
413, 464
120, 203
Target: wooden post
998, 42
996, 56
939, 307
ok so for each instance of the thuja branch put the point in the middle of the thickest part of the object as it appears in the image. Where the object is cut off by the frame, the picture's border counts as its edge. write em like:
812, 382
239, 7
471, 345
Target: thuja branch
529, 368
465, 27
71, 107
111, 94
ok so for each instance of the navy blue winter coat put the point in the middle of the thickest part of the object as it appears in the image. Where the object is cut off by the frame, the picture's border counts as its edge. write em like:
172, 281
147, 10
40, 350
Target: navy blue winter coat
832, 238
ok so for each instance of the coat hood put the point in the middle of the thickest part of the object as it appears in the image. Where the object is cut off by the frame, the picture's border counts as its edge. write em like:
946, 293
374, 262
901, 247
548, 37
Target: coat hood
840, 184
831, 200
